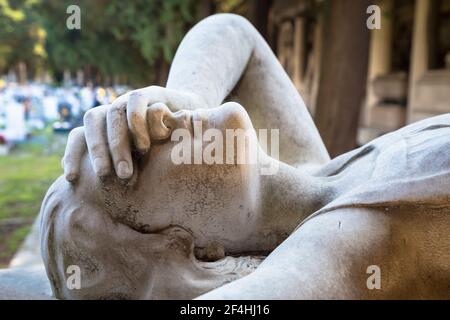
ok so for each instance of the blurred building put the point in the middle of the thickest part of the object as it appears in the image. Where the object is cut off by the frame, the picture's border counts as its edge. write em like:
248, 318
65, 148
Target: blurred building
408, 71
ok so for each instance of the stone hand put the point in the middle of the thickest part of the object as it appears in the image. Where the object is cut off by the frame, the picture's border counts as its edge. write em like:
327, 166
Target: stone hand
111, 132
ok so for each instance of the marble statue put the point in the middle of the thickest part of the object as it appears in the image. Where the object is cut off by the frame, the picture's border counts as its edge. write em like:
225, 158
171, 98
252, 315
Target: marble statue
139, 226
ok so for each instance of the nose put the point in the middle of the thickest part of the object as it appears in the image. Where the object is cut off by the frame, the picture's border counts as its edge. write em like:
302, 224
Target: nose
161, 121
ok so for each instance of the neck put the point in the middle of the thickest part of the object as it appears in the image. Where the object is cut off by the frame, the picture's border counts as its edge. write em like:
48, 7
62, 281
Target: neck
288, 197
199, 277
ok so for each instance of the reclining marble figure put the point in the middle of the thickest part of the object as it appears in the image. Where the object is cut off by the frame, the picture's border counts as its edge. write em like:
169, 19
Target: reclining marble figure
140, 226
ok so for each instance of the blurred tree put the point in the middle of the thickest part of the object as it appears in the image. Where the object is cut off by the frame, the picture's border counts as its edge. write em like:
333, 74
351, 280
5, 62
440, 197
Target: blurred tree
21, 39
343, 73
134, 40
258, 14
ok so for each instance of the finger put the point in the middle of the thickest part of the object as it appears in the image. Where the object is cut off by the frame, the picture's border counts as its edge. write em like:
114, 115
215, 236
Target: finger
136, 117
121, 100
159, 117
97, 141
75, 149
119, 142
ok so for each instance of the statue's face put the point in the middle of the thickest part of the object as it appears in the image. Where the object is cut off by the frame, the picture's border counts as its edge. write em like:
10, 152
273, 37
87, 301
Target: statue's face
216, 201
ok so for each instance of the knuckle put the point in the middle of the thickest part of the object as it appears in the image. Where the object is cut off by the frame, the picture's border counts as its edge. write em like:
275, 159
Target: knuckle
158, 108
136, 94
96, 148
75, 132
89, 116
135, 115
115, 146
120, 101
116, 110
153, 89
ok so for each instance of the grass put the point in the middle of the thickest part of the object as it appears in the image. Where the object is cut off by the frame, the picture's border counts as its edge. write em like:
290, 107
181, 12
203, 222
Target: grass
25, 176
11, 241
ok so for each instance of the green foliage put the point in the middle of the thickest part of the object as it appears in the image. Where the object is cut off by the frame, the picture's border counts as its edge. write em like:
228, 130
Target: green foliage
154, 27
21, 36
134, 40
230, 5
117, 38
10, 242
23, 182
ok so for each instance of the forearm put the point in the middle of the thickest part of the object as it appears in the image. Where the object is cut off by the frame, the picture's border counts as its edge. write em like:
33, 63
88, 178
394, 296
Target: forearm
224, 55
212, 58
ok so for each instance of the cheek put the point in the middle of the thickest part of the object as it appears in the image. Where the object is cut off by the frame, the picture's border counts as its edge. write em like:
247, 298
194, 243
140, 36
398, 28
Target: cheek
202, 198
210, 201
202, 189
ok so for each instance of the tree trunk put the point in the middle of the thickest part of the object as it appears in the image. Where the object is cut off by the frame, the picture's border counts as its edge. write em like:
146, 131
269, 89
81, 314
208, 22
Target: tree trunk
343, 73
259, 15
205, 8
22, 74
162, 72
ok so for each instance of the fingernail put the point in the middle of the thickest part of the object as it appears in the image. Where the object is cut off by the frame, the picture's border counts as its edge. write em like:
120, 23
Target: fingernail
99, 167
123, 170
143, 147
143, 150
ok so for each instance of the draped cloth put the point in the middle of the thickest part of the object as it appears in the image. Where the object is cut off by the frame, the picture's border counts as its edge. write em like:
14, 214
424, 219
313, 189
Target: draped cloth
410, 166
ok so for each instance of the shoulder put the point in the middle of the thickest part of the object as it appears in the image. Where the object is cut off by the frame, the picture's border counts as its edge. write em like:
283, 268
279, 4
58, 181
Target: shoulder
408, 166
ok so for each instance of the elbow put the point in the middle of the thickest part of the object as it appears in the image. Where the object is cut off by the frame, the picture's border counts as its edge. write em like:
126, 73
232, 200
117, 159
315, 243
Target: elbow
228, 18
230, 22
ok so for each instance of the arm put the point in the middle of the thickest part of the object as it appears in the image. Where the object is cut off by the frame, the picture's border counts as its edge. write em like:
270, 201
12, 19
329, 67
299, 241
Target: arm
212, 58
221, 56
225, 56
328, 258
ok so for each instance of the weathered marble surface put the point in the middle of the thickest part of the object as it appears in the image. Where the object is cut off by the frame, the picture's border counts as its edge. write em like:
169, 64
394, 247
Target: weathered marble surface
144, 228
